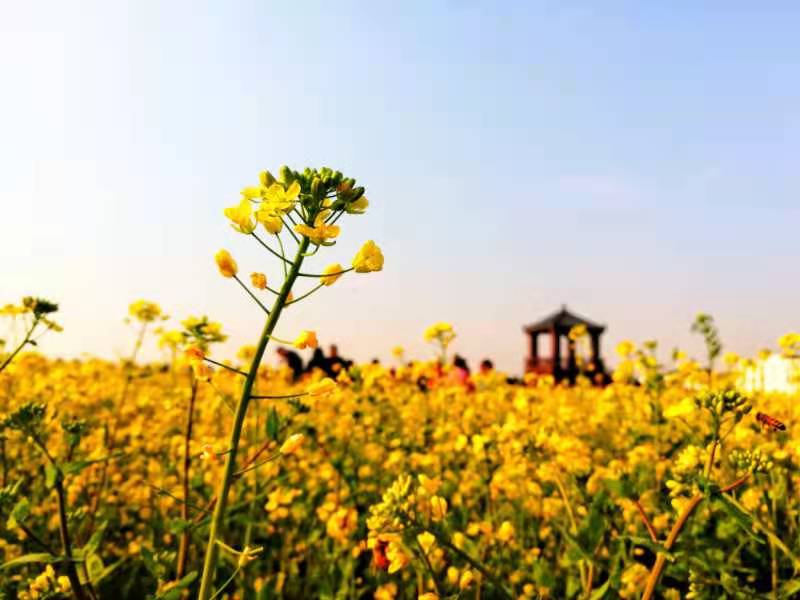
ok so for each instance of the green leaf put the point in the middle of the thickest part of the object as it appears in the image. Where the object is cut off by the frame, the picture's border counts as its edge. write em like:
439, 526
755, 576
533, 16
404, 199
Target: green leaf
75, 467
51, 474
739, 514
790, 589
178, 526
94, 542
106, 571
176, 589
273, 424
26, 559
94, 566
600, 593
620, 487
593, 527
19, 513
579, 552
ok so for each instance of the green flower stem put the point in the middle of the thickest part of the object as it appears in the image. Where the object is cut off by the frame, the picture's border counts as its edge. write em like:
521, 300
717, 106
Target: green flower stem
306, 295
224, 366
325, 274
27, 338
283, 258
224, 585
279, 340
428, 566
289, 229
218, 519
314, 251
183, 547
63, 529
498, 585
251, 294
259, 464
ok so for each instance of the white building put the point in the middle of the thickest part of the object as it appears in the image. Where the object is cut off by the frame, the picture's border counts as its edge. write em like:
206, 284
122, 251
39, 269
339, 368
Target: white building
774, 374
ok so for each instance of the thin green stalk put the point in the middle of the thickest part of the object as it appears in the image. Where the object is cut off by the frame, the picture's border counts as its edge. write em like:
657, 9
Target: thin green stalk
306, 295
183, 549
224, 585
315, 250
217, 521
224, 366
289, 229
429, 567
263, 243
22, 344
251, 294
324, 274
283, 256
498, 585
773, 551
63, 529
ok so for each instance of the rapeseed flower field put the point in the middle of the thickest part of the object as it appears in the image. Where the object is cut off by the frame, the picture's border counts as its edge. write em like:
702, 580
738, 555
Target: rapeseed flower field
215, 476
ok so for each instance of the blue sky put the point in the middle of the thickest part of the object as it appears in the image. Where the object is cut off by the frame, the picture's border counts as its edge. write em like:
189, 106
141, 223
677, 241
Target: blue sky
637, 162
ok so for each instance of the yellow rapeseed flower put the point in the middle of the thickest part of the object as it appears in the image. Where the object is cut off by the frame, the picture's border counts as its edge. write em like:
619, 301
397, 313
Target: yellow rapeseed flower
321, 231
259, 280
225, 263
438, 508
292, 444
466, 579
625, 348
144, 311
280, 199
331, 274
359, 207
271, 222
306, 339
319, 388
368, 259
241, 216
505, 532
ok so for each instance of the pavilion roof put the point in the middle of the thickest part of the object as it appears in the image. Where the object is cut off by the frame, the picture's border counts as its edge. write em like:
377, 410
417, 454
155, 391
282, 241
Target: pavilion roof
563, 320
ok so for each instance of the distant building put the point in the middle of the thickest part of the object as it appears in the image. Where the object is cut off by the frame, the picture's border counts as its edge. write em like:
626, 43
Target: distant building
775, 373
561, 359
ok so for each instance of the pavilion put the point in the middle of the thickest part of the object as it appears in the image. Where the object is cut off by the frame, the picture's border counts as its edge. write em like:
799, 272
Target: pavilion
562, 363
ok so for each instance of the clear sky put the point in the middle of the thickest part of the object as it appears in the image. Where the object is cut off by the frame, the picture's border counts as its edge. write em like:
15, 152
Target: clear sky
635, 160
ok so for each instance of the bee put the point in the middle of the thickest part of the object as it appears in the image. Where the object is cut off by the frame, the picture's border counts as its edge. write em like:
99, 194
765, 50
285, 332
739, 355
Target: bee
770, 422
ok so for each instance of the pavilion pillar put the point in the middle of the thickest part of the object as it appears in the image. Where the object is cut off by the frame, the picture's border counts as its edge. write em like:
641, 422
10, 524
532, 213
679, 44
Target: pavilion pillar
595, 348
572, 364
534, 348
556, 353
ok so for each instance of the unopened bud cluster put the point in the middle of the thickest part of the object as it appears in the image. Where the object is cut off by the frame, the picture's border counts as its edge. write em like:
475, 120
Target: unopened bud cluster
753, 461
720, 403
696, 587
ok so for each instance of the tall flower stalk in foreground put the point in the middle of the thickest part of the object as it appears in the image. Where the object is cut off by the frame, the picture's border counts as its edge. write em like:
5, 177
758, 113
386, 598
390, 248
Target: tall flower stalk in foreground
37, 310
307, 205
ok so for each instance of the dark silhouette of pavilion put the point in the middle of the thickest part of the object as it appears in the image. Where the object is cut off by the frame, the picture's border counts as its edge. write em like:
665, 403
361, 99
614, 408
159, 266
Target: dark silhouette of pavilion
558, 325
